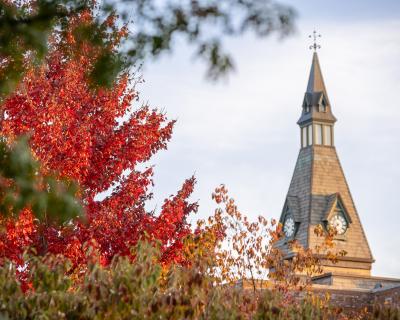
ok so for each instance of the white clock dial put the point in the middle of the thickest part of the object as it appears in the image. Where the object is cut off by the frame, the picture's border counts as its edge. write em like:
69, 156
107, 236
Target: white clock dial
338, 223
288, 227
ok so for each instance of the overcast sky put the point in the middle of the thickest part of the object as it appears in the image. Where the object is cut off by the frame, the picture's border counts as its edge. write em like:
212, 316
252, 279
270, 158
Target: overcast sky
243, 132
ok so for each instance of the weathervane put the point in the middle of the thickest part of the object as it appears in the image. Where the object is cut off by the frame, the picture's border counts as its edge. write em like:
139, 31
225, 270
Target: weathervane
315, 46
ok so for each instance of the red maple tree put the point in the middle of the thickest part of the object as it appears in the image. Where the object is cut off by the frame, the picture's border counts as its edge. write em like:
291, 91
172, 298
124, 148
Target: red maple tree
97, 138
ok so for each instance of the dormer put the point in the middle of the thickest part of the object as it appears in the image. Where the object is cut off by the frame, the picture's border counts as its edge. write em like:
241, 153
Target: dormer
306, 104
323, 104
336, 217
290, 217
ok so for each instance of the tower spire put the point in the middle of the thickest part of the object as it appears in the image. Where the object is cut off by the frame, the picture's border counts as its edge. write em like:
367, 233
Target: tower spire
316, 105
316, 81
318, 192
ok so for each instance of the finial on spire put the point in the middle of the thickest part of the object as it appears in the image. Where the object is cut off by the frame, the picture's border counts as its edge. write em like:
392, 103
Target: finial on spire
315, 46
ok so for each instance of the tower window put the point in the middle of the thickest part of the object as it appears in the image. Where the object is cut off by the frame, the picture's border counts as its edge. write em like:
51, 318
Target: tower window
318, 134
307, 109
310, 135
304, 137
328, 135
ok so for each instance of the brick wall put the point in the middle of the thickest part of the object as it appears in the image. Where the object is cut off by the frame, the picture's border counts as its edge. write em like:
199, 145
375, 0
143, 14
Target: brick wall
387, 296
350, 300
347, 299
358, 299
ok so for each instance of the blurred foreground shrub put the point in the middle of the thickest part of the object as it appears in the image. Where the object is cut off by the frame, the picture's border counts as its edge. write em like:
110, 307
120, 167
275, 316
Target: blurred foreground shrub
146, 290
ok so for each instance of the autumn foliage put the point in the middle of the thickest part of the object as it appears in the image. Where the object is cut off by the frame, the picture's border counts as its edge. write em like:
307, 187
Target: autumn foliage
96, 137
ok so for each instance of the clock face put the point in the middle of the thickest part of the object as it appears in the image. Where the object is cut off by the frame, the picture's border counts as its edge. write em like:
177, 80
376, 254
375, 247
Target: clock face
338, 223
288, 227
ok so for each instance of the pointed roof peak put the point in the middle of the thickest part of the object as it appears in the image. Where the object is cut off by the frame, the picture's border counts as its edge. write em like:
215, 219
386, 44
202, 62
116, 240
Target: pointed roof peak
315, 96
316, 80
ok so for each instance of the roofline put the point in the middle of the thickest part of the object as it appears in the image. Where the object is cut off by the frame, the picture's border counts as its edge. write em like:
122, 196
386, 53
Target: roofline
322, 256
345, 275
313, 119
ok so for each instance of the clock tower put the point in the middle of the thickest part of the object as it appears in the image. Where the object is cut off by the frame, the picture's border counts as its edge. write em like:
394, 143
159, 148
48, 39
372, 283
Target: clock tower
318, 192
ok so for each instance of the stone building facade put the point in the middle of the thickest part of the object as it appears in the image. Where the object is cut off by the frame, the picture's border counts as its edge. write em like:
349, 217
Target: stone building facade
319, 195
